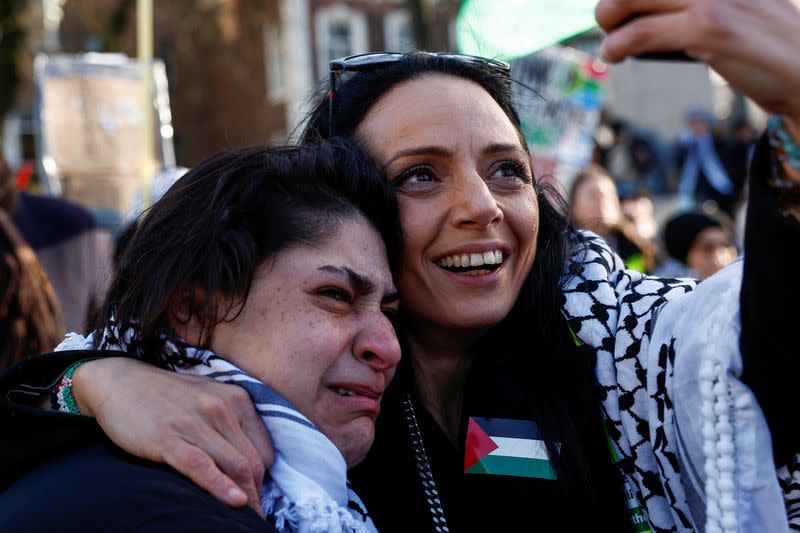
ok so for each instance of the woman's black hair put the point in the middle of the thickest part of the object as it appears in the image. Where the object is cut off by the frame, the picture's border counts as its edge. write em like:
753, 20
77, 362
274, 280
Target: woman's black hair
563, 397
195, 252
357, 93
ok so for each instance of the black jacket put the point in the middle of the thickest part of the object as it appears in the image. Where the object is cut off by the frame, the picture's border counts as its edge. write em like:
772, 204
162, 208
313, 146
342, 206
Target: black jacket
101, 488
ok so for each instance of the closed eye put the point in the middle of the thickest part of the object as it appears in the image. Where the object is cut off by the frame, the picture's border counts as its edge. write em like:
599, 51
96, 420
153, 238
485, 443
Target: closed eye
335, 293
391, 313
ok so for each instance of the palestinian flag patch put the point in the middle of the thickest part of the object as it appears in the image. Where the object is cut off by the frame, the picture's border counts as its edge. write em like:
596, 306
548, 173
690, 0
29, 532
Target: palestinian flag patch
504, 447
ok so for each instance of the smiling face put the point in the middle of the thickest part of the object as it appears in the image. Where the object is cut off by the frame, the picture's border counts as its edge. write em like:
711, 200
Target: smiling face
315, 328
467, 204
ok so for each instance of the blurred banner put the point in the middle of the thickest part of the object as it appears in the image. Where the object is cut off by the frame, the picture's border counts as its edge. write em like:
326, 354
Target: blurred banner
509, 29
90, 117
558, 93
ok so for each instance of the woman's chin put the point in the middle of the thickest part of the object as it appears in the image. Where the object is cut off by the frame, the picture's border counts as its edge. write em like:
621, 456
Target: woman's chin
353, 439
479, 315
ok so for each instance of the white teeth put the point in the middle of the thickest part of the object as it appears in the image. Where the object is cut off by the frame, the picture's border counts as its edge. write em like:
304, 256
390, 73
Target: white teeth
494, 257
342, 392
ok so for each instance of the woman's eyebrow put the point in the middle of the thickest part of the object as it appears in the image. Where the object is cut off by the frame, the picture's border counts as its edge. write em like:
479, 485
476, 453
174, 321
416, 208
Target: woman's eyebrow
438, 151
503, 147
360, 282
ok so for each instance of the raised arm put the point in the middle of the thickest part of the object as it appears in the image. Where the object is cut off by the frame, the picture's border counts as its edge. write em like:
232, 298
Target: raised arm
770, 292
206, 430
754, 46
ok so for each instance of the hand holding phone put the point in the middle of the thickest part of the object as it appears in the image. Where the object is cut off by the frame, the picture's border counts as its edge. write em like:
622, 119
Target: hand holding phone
665, 56
676, 55
643, 29
751, 44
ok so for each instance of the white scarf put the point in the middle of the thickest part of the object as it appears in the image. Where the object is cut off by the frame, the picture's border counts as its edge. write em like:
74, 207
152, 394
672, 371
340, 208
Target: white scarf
306, 490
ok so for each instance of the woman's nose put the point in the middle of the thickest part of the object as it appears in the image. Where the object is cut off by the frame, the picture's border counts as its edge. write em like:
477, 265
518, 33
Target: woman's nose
377, 344
473, 204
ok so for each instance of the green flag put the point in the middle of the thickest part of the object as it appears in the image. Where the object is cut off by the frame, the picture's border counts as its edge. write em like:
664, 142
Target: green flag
508, 29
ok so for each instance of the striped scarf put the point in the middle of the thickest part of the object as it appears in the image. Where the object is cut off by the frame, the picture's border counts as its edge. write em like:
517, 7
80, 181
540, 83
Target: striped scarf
306, 490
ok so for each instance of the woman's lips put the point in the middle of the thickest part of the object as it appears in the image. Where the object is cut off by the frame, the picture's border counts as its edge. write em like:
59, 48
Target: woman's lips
479, 277
474, 259
357, 397
355, 389
475, 265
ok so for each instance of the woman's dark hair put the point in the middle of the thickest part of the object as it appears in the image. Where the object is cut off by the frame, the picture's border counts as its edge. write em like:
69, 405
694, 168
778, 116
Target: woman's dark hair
30, 319
562, 397
195, 252
357, 93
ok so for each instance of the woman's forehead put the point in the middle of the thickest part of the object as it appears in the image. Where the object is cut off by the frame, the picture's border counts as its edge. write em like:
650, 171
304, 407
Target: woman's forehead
435, 109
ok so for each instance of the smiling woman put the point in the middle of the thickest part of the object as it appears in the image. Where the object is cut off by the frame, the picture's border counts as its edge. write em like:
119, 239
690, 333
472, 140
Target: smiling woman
464, 192
268, 268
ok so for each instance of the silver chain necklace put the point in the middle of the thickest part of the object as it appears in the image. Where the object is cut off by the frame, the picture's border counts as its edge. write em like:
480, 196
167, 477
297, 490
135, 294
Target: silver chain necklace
424, 467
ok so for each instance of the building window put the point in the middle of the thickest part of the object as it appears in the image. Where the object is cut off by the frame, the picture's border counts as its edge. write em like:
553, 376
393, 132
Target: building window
274, 66
397, 31
340, 31
340, 40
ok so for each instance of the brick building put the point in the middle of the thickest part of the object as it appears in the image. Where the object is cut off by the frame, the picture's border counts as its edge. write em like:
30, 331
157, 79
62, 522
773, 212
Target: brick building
242, 71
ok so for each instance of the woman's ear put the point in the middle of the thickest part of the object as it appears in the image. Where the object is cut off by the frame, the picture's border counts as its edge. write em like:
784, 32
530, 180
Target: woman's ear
185, 312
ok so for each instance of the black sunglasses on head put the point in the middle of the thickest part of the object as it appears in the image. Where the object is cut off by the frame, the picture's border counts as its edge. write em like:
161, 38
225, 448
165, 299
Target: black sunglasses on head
362, 62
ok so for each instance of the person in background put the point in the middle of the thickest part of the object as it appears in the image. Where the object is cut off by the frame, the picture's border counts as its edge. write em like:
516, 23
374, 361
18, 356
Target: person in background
741, 145
594, 205
618, 158
30, 320
702, 173
73, 250
638, 209
698, 247
650, 171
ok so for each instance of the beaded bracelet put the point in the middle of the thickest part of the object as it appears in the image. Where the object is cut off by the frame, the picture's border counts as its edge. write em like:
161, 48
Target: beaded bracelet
787, 153
61, 397
787, 150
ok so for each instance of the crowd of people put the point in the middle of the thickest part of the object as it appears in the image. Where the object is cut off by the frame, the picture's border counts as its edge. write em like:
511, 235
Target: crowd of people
699, 181
243, 369
707, 162
682, 248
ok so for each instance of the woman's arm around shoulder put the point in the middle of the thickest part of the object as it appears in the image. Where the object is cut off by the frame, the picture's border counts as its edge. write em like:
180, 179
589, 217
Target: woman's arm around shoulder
32, 434
206, 430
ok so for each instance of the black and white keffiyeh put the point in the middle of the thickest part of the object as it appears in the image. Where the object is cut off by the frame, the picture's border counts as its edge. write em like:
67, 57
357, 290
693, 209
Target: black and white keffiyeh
306, 490
691, 437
